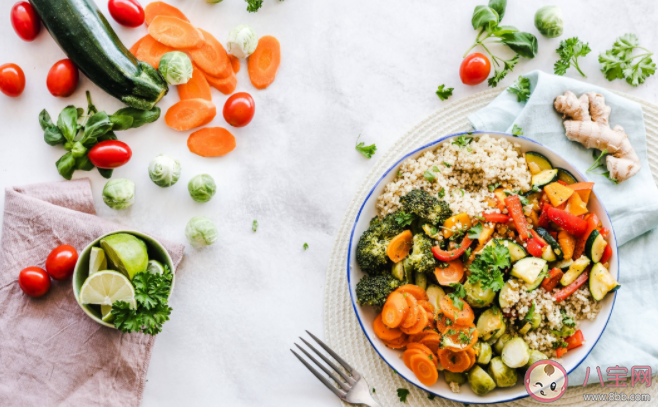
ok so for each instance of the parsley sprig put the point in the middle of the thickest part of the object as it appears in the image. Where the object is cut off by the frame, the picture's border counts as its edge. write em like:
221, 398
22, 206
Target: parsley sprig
521, 88
402, 394
517, 131
404, 219
488, 267
366, 151
620, 63
600, 163
457, 295
569, 51
444, 93
463, 142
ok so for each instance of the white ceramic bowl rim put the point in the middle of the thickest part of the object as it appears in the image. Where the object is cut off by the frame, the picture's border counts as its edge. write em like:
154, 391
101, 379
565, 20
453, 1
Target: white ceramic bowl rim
356, 221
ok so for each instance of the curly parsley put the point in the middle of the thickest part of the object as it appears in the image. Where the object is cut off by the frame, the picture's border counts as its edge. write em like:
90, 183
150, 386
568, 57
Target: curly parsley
619, 62
402, 394
569, 51
488, 267
366, 151
457, 295
444, 94
521, 88
517, 131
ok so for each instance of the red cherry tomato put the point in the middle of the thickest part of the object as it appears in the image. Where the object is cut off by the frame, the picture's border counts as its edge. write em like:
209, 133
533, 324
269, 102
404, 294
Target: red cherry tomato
63, 78
34, 281
12, 80
475, 69
126, 12
239, 109
61, 262
110, 154
25, 21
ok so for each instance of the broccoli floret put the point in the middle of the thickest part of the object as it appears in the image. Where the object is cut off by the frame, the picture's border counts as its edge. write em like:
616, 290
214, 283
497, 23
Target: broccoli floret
373, 290
371, 249
421, 257
422, 204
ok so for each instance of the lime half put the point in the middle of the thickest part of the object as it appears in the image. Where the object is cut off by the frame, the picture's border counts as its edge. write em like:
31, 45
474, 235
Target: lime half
126, 252
106, 287
97, 260
155, 267
106, 313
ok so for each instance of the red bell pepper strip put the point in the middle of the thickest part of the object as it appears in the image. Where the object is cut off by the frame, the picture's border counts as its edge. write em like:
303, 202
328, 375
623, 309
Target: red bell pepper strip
513, 203
451, 254
575, 340
534, 248
495, 217
538, 238
572, 288
543, 217
560, 352
607, 253
567, 221
553, 234
562, 182
604, 232
552, 280
592, 224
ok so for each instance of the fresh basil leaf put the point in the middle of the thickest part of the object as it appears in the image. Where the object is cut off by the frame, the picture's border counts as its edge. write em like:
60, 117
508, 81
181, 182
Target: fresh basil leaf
484, 17
80, 111
140, 117
105, 173
66, 165
107, 136
53, 136
524, 44
78, 150
67, 122
505, 29
121, 122
499, 7
96, 126
45, 121
83, 163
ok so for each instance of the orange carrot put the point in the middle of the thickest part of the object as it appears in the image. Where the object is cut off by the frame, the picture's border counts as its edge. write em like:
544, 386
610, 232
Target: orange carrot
465, 316
399, 247
398, 343
423, 320
414, 290
226, 86
455, 338
420, 347
212, 58
176, 33
190, 113
264, 62
211, 142
418, 337
472, 355
443, 323
427, 305
432, 341
395, 310
235, 63
451, 274
150, 51
135, 47
406, 356
456, 362
196, 88
412, 311
424, 369
383, 332
158, 8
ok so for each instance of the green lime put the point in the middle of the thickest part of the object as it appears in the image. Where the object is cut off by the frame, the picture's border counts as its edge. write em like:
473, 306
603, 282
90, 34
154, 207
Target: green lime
126, 252
97, 260
106, 314
155, 267
107, 287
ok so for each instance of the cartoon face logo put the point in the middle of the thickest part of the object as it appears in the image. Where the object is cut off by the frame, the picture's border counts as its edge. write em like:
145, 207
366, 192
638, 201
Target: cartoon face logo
546, 381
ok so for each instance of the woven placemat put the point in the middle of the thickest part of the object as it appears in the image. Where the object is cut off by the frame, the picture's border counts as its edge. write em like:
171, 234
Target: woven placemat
342, 330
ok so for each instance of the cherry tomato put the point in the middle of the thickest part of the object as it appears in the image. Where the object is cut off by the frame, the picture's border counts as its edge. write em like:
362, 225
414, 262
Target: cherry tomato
63, 78
110, 154
61, 262
25, 21
126, 12
475, 69
12, 80
239, 109
34, 281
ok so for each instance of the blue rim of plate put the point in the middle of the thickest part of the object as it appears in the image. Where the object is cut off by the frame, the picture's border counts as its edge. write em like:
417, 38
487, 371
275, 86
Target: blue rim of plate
358, 216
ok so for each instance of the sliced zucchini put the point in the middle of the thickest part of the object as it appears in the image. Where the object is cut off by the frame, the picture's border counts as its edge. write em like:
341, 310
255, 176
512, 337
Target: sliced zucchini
398, 270
535, 356
540, 162
576, 269
516, 353
516, 251
507, 287
555, 246
526, 328
595, 246
481, 383
535, 284
544, 178
601, 282
435, 293
564, 264
503, 375
483, 350
420, 279
476, 297
547, 254
565, 176
459, 378
528, 269
500, 343
489, 322
535, 321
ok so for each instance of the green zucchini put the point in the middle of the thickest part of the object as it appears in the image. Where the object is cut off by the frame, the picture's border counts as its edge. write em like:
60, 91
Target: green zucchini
595, 246
601, 282
91, 44
547, 254
528, 269
535, 284
566, 176
576, 269
555, 246
544, 178
542, 162
564, 264
516, 251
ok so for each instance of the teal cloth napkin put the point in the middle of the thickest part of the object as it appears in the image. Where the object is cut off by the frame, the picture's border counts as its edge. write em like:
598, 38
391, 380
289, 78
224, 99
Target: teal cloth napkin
630, 337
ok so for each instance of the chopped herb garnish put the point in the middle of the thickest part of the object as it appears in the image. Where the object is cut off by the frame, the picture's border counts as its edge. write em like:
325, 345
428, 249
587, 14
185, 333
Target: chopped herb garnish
531, 312
402, 394
462, 141
492, 187
431, 396
254, 225
517, 131
444, 93
404, 219
457, 296
305, 246
436, 169
488, 267
399, 173
366, 151
429, 176
521, 89
442, 193
446, 164
474, 232
567, 320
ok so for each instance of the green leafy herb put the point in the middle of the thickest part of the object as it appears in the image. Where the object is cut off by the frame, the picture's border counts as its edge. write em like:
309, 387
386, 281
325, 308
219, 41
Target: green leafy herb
531, 312
492, 187
305, 246
254, 225
254, 5
462, 191
488, 267
429, 175
444, 94
474, 232
374, 390
620, 63
404, 219
464, 338
446, 164
402, 394
559, 344
517, 131
599, 163
521, 89
366, 151
399, 173
431, 396
569, 51
442, 193
523, 199
457, 295
567, 320
462, 141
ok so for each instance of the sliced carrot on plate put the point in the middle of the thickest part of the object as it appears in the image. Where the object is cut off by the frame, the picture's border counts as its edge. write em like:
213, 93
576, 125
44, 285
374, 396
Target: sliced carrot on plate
211, 57
385, 333
432, 341
190, 113
196, 88
395, 310
452, 273
398, 343
426, 305
226, 86
414, 290
424, 368
412, 311
158, 8
150, 51
465, 316
460, 337
235, 63
176, 33
419, 326
456, 362
398, 248
264, 62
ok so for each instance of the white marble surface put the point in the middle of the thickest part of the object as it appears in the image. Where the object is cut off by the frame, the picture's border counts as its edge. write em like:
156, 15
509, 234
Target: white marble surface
349, 67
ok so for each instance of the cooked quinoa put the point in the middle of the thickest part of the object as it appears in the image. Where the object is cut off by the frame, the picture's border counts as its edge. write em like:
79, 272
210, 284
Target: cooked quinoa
464, 173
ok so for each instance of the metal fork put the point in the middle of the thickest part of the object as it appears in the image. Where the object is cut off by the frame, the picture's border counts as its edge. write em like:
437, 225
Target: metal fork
352, 389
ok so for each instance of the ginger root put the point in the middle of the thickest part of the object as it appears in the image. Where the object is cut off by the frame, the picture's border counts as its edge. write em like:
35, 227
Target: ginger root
588, 125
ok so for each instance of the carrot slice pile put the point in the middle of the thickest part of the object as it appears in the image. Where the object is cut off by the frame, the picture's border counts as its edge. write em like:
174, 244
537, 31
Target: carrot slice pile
235, 63
211, 142
191, 113
398, 343
196, 88
414, 290
176, 33
264, 62
211, 57
158, 8
135, 47
424, 369
456, 362
226, 86
412, 312
465, 316
150, 51
383, 332
395, 310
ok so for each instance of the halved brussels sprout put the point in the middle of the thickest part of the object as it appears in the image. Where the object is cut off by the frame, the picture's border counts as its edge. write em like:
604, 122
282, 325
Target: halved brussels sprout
516, 353
483, 350
500, 343
481, 383
503, 375
535, 356
477, 297
175, 67
242, 41
459, 378
489, 322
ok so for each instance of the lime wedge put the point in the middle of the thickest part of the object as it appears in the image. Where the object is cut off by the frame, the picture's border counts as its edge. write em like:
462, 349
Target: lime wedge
106, 313
106, 287
97, 260
126, 252
155, 267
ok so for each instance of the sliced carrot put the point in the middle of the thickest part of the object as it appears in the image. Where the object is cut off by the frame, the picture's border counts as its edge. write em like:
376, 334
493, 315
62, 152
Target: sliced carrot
395, 310
174, 32
235, 63
567, 242
423, 320
420, 347
398, 343
264, 62
443, 323
418, 337
406, 356
432, 341
472, 355
456, 362
212, 58
158, 8
135, 47
459, 337
414, 290
412, 311
226, 86
211, 142
425, 369
385, 333
196, 88
398, 248
150, 51
190, 113
426, 305
451, 274
465, 316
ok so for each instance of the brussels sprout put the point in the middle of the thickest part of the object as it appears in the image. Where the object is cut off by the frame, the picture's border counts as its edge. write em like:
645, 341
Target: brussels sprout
481, 383
549, 21
516, 353
477, 297
489, 322
175, 67
500, 343
202, 188
420, 279
484, 352
535, 356
242, 41
200, 231
459, 378
119, 193
503, 375
164, 171
213, 1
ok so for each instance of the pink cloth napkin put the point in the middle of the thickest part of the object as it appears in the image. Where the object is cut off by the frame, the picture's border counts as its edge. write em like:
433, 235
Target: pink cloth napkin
51, 353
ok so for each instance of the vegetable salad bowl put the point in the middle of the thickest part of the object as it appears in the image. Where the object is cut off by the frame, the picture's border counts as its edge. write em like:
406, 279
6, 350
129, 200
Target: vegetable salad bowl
592, 330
